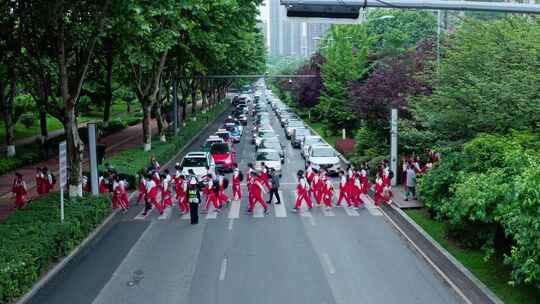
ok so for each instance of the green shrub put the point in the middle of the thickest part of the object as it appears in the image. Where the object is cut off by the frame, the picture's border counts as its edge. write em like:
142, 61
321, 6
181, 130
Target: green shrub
8, 164
132, 121
33, 238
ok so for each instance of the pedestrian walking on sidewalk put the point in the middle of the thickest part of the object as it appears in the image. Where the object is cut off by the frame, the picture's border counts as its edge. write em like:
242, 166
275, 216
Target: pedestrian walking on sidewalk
274, 190
40, 182
411, 183
49, 180
19, 190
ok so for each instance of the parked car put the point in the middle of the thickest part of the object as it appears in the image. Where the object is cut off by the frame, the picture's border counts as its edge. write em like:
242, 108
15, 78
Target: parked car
270, 158
243, 119
263, 134
274, 144
293, 124
225, 135
234, 130
307, 142
324, 156
224, 156
199, 162
298, 136
210, 141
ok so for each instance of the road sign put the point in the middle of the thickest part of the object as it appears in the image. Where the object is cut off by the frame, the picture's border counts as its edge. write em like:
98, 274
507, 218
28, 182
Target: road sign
62, 151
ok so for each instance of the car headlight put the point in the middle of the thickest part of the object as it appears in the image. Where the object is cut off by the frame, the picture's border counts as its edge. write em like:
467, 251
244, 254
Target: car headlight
228, 161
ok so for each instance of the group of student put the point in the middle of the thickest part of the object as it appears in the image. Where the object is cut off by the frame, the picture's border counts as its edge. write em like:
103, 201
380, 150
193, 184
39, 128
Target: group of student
353, 183
45, 181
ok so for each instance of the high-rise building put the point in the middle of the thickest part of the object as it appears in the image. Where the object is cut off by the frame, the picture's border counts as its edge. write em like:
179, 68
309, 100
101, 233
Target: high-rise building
285, 38
314, 33
275, 35
296, 39
263, 27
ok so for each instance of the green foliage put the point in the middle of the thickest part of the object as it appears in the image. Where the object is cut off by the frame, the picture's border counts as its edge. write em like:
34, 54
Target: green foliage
28, 120
397, 30
491, 184
345, 51
8, 164
487, 82
130, 162
368, 143
33, 238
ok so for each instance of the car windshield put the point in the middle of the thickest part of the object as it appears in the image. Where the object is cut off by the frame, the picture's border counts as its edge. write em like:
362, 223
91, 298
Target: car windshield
268, 156
322, 152
225, 136
220, 149
194, 162
301, 132
271, 145
268, 134
209, 143
295, 123
230, 128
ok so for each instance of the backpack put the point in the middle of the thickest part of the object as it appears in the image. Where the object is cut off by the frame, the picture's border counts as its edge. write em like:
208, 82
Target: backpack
241, 176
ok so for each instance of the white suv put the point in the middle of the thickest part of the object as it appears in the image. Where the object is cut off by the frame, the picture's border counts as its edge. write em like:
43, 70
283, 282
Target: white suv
198, 162
324, 157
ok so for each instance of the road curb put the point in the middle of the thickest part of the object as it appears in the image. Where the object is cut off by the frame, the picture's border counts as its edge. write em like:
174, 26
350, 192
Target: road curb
469, 275
93, 237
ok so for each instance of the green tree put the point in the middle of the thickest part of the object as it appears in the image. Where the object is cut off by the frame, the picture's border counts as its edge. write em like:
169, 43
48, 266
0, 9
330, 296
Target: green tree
345, 51
488, 81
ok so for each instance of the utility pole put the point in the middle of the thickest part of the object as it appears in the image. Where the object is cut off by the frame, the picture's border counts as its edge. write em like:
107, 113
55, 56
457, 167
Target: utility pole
394, 144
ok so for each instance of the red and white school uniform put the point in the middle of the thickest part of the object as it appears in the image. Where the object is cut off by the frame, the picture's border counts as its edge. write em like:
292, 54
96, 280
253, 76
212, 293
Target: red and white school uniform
265, 178
302, 194
223, 198
236, 189
328, 193
152, 193
350, 184
379, 189
119, 196
166, 193
212, 197
365, 182
314, 187
257, 190
343, 191
20, 190
310, 174
249, 182
142, 190
181, 194
356, 191
40, 183
103, 187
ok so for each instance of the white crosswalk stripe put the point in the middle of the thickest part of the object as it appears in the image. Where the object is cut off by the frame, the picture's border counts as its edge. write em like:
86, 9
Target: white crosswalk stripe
370, 206
166, 213
327, 212
280, 210
212, 213
258, 211
234, 210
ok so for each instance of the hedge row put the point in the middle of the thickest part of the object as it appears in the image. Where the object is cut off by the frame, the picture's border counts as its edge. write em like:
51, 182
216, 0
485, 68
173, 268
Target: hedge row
130, 162
33, 239
489, 193
8, 164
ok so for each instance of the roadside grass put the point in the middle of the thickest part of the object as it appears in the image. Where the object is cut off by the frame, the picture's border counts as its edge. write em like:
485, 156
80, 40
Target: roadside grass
493, 273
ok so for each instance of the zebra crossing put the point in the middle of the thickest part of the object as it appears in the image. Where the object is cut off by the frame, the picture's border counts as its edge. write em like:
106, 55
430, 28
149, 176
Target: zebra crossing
235, 211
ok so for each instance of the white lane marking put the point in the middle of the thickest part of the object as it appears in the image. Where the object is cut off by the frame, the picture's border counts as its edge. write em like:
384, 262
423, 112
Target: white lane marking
234, 211
212, 213
329, 264
141, 215
280, 209
312, 220
370, 206
166, 213
223, 269
231, 222
186, 216
258, 211
327, 212
350, 211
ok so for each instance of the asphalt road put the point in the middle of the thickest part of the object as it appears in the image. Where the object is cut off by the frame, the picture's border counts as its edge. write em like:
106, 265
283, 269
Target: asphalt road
342, 256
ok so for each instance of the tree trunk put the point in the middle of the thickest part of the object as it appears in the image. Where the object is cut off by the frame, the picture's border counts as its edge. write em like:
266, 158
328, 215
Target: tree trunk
75, 151
194, 104
108, 81
161, 124
147, 128
204, 101
43, 126
8, 97
184, 109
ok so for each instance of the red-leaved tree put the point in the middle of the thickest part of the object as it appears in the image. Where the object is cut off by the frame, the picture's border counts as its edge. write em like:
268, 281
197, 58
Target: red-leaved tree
389, 85
306, 90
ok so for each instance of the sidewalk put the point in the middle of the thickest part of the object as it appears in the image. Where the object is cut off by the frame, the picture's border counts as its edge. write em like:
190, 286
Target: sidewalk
399, 199
118, 142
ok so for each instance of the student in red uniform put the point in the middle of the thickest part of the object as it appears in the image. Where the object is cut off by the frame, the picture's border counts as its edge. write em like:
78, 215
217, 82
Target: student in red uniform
250, 180
350, 183
212, 191
40, 182
379, 188
142, 186
302, 192
256, 191
119, 191
236, 180
265, 178
356, 191
19, 190
319, 187
328, 193
103, 185
151, 195
223, 183
180, 186
313, 186
343, 189
309, 172
166, 187
364, 180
